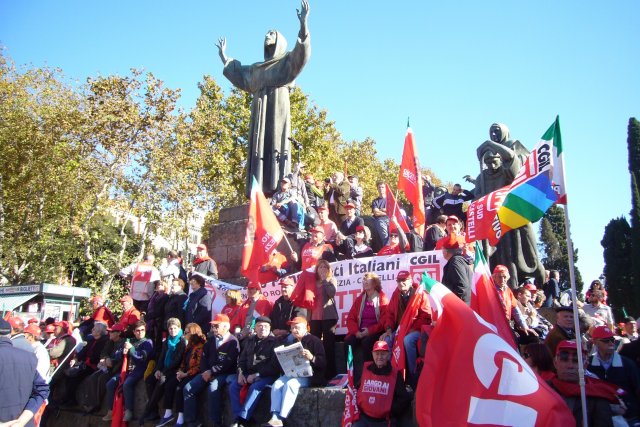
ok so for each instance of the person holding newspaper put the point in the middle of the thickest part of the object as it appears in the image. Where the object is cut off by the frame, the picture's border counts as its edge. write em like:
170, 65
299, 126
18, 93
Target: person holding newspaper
284, 390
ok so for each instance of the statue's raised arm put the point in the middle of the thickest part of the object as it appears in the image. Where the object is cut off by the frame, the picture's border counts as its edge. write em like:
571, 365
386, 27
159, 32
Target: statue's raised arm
303, 12
222, 47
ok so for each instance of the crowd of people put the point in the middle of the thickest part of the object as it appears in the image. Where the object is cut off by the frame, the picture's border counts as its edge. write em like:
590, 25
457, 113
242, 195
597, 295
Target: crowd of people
168, 337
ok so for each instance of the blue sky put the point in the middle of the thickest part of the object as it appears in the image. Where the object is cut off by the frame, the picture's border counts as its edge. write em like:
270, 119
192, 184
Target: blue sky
453, 67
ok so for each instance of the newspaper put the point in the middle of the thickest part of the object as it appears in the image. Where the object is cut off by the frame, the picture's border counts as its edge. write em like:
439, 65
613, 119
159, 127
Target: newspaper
292, 361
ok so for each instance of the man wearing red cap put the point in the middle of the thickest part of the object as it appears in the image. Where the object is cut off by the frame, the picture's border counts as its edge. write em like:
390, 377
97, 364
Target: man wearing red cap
600, 395
457, 274
284, 390
101, 313
398, 243
17, 335
130, 315
409, 303
254, 306
382, 393
218, 366
32, 334
610, 366
59, 349
143, 275
314, 250
330, 228
203, 263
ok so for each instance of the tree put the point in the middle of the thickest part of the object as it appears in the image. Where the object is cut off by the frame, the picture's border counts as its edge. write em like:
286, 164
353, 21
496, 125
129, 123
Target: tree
633, 144
617, 269
554, 246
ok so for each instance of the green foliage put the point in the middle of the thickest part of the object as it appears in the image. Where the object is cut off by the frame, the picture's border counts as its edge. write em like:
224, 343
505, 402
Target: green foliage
554, 246
82, 163
617, 270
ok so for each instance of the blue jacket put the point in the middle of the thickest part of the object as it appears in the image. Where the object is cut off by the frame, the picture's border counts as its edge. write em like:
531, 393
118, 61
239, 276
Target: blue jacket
198, 309
222, 360
21, 387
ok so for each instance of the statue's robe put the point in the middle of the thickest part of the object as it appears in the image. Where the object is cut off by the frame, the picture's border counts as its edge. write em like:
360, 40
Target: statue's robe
269, 149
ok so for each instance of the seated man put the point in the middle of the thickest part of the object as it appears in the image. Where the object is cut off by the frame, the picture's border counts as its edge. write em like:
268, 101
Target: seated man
330, 228
598, 310
285, 206
409, 305
138, 352
617, 369
510, 304
285, 390
382, 394
283, 311
379, 212
218, 365
255, 305
130, 315
257, 368
563, 329
398, 243
101, 313
600, 395
345, 239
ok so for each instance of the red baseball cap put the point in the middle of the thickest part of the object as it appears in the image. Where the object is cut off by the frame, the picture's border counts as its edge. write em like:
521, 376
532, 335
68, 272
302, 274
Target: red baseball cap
16, 322
380, 346
349, 206
254, 285
531, 287
118, 327
318, 229
500, 269
452, 242
453, 218
402, 275
49, 329
602, 332
33, 330
360, 228
33, 320
287, 281
297, 319
567, 345
220, 318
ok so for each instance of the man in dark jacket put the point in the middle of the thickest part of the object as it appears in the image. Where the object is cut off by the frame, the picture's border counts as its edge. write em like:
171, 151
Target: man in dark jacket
218, 365
155, 314
436, 232
257, 368
138, 352
22, 389
346, 237
457, 274
283, 311
203, 263
284, 390
198, 306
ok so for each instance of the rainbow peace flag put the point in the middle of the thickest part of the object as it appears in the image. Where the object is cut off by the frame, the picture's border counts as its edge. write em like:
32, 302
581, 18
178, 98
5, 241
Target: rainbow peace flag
532, 191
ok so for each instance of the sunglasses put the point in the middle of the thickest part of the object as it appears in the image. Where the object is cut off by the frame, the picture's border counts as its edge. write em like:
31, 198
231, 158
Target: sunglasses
564, 356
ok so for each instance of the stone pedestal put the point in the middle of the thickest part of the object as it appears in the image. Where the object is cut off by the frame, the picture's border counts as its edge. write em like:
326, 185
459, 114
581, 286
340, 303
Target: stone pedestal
226, 240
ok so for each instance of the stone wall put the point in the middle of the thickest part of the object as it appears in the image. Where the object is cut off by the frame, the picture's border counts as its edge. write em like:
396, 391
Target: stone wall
226, 240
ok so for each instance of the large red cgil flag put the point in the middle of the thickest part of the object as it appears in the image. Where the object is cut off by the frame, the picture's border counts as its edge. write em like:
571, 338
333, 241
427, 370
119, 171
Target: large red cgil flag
410, 181
473, 377
262, 236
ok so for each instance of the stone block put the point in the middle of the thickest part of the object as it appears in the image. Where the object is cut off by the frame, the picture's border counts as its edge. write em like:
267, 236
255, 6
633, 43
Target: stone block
233, 213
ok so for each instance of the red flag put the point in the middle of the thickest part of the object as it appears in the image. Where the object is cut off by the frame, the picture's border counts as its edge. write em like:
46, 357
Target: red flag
351, 411
410, 181
471, 376
481, 217
117, 412
485, 299
263, 234
393, 210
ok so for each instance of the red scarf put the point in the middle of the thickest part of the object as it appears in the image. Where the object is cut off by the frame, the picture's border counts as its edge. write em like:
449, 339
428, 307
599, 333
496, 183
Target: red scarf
199, 260
593, 387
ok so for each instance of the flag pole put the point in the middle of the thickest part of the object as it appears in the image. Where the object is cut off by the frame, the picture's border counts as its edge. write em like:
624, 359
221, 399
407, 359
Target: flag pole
576, 323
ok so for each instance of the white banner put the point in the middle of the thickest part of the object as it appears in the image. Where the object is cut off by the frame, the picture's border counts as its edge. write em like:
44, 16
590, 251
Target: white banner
349, 275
